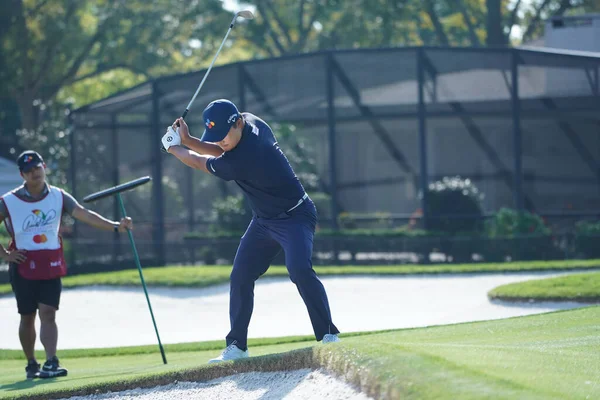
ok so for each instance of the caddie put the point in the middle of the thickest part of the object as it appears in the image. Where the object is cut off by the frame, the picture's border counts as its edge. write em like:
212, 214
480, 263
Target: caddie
32, 216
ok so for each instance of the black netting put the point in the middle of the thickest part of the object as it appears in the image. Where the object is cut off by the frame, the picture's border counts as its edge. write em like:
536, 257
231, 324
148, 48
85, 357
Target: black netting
469, 122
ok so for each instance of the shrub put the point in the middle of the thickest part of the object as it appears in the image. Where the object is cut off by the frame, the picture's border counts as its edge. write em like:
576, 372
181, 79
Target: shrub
232, 214
450, 197
587, 238
512, 223
207, 254
518, 235
352, 221
322, 203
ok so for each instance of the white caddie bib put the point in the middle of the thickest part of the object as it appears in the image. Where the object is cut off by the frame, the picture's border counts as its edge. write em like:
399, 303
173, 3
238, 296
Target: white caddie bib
35, 224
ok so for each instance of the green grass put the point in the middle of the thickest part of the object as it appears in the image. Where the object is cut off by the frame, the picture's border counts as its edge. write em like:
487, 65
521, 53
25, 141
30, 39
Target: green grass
577, 287
202, 276
548, 356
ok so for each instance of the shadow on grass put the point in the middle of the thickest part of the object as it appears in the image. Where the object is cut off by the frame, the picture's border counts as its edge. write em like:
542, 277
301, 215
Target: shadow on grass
27, 384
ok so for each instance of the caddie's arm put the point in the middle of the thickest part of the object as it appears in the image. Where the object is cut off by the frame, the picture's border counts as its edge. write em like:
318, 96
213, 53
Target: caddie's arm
98, 221
16, 256
194, 143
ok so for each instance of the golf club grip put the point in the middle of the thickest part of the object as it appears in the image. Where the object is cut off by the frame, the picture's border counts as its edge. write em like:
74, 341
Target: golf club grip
183, 115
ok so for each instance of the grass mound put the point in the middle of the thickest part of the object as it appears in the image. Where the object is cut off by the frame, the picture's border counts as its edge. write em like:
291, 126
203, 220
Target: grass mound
583, 288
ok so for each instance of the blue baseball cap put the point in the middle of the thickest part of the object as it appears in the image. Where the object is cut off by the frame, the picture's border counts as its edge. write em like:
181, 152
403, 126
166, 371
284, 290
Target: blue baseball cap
28, 160
219, 116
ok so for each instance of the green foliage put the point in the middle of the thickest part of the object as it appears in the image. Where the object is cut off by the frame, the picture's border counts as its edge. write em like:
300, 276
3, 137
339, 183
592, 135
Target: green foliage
4, 236
232, 214
378, 220
449, 197
587, 238
80, 51
520, 236
301, 153
512, 223
287, 26
207, 254
322, 203
50, 138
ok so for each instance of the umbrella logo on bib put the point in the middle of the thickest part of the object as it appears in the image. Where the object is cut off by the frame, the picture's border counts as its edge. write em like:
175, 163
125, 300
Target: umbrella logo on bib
38, 219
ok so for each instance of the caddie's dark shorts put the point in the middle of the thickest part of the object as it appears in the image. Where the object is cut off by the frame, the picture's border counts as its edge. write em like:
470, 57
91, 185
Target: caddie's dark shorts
31, 292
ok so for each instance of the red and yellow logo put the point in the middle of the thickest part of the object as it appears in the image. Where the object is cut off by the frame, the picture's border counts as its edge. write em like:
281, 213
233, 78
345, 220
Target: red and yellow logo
40, 238
210, 124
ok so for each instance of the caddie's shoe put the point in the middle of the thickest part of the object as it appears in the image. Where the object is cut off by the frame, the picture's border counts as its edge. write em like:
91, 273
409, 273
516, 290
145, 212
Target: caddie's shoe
52, 369
232, 352
32, 369
330, 338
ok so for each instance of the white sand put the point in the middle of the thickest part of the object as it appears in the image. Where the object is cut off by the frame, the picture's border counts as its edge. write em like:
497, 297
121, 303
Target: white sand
112, 316
302, 384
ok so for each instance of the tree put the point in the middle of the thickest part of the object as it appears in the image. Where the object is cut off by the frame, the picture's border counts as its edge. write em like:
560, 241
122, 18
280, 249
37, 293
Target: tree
47, 45
287, 27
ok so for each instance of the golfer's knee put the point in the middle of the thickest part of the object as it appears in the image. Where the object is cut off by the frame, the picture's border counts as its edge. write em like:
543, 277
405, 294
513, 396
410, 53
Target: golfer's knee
237, 279
301, 273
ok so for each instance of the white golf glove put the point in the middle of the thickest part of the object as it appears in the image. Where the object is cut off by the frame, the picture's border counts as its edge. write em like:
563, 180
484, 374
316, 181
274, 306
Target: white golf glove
171, 138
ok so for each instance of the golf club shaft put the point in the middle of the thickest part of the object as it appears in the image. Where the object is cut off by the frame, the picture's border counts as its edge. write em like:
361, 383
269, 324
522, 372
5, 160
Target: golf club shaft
139, 267
209, 68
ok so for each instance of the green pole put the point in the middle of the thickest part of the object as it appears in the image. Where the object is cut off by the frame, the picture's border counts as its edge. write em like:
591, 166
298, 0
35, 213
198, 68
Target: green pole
139, 267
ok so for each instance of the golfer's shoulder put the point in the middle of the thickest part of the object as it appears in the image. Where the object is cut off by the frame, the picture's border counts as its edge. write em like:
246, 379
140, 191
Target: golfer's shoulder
256, 124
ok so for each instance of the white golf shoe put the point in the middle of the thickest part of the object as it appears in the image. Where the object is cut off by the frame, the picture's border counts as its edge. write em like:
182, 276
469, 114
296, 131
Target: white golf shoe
231, 352
330, 338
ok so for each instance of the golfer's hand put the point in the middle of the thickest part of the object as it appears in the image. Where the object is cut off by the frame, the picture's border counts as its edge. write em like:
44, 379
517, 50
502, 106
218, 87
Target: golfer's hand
126, 224
184, 131
171, 138
15, 256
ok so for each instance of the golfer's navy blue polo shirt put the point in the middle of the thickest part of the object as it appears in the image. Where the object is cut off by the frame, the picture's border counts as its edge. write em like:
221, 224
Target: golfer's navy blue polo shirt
260, 168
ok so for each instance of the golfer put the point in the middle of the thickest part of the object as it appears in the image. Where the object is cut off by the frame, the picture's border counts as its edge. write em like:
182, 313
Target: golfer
241, 147
32, 216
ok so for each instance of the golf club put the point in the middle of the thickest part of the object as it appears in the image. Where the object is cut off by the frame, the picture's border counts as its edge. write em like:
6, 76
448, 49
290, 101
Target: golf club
247, 14
244, 14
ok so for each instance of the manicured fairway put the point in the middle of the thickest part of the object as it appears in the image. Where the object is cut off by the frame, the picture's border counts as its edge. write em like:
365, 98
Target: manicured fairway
548, 356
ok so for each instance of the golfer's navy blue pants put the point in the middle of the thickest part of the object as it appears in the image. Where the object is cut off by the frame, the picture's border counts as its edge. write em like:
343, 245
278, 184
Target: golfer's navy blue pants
293, 232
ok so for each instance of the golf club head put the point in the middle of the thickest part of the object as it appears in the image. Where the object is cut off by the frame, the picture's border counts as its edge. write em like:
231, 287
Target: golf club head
245, 14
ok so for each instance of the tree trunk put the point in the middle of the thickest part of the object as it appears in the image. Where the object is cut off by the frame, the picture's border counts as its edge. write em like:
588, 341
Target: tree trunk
437, 24
495, 37
28, 112
465, 14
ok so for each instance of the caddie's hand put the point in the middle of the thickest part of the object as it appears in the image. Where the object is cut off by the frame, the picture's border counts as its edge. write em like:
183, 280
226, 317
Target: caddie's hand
181, 126
126, 224
15, 256
171, 138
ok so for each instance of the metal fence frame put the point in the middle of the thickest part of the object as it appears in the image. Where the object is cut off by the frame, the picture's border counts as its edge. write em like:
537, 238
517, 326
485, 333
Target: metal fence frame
424, 70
